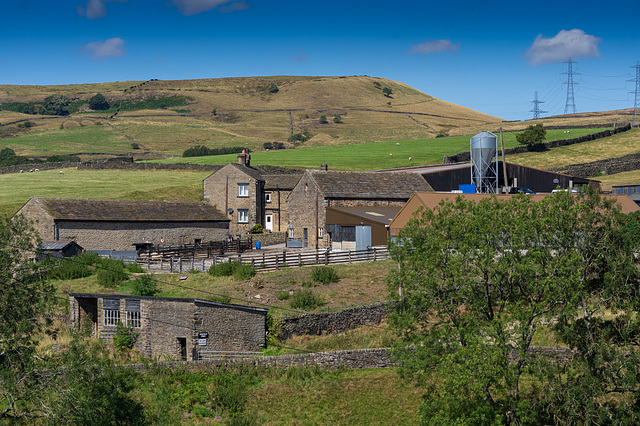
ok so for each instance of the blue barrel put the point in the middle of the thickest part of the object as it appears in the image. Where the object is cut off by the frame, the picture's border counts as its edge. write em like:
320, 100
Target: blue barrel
258, 245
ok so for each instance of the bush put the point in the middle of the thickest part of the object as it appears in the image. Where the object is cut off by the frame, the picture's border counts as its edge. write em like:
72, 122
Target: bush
98, 102
305, 299
257, 229
243, 272
224, 269
283, 295
201, 150
63, 158
324, 275
124, 338
111, 273
273, 88
323, 119
144, 286
337, 119
134, 268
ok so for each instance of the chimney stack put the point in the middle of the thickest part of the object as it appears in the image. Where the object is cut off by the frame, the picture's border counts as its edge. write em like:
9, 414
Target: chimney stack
324, 167
244, 158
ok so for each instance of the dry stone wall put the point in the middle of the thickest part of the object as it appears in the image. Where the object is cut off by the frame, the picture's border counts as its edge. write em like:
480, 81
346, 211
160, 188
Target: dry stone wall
607, 166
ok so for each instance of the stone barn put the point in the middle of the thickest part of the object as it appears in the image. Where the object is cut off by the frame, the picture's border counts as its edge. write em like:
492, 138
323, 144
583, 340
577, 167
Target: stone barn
172, 328
325, 206
120, 224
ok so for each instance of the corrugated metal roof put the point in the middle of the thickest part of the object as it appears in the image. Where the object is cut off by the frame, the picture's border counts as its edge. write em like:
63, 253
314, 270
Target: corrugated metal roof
129, 210
382, 215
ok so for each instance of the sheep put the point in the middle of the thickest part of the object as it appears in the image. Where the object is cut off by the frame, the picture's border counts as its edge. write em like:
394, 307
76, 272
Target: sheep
409, 158
61, 172
391, 155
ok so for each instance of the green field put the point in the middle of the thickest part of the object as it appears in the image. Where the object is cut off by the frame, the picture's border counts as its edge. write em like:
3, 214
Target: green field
371, 156
17, 188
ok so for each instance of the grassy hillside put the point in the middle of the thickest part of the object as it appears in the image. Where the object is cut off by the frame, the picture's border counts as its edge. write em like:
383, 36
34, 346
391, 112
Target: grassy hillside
233, 112
15, 189
374, 156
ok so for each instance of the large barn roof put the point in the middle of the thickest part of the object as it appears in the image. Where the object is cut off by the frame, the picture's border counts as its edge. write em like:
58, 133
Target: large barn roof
370, 185
128, 210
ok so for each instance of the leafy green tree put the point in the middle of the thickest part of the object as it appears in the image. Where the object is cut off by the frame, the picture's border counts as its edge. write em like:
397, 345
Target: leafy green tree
532, 137
273, 88
98, 102
55, 105
387, 92
6, 153
323, 119
478, 282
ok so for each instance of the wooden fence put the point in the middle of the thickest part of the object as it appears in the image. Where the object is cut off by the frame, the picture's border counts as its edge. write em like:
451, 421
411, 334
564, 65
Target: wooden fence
268, 261
200, 250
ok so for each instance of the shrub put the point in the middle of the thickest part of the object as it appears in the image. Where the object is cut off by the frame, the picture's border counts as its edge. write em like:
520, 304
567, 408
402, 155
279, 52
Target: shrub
323, 119
144, 286
124, 338
283, 295
257, 229
69, 269
324, 275
337, 119
134, 268
243, 272
111, 273
273, 88
305, 299
98, 102
224, 269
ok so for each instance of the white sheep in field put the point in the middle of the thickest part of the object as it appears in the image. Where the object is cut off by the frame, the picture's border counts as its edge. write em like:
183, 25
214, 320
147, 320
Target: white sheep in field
398, 143
36, 170
409, 158
61, 172
391, 155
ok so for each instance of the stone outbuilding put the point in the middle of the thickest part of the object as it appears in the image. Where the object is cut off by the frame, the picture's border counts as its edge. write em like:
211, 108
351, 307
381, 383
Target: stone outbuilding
249, 195
120, 224
344, 194
172, 328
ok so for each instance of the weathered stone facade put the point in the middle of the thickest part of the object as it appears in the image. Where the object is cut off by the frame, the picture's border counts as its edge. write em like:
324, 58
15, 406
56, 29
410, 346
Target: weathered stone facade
94, 226
172, 328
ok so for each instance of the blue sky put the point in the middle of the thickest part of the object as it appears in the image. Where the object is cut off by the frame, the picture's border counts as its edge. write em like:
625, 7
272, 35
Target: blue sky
489, 55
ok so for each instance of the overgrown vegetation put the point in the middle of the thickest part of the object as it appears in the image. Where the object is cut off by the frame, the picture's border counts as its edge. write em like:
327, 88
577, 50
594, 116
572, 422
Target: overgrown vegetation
305, 299
238, 270
532, 137
324, 274
201, 151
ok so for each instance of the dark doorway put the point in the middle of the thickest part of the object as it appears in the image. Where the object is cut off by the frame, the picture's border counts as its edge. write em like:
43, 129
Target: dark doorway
305, 237
182, 342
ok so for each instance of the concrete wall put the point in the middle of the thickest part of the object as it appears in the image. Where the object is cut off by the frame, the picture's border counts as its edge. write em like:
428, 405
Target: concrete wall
221, 190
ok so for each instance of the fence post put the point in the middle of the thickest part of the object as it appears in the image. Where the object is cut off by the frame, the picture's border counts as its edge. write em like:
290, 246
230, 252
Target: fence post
299, 259
326, 257
277, 266
374, 254
253, 263
349, 256
171, 264
148, 263
284, 256
180, 265
203, 266
161, 263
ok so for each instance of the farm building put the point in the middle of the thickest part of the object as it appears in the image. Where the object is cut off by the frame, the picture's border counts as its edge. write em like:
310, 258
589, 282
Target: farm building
121, 224
349, 209
448, 177
430, 200
59, 249
249, 195
172, 328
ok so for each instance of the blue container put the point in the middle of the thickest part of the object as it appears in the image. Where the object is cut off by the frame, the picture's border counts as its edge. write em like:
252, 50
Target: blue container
258, 245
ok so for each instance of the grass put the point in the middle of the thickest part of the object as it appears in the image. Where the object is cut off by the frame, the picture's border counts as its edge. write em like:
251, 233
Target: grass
17, 188
370, 156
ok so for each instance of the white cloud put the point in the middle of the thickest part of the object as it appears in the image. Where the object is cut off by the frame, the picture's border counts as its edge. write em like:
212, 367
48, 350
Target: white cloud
193, 7
96, 9
433, 46
575, 43
111, 48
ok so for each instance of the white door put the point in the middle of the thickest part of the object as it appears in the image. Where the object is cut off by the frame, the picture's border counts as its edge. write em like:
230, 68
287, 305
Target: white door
268, 222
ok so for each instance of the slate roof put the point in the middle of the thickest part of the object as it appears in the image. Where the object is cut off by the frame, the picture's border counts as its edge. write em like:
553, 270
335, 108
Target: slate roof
254, 172
56, 245
286, 182
129, 210
369, 185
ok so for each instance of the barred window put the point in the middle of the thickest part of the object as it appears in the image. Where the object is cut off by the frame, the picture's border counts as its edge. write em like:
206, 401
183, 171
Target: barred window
133, 319
111, 316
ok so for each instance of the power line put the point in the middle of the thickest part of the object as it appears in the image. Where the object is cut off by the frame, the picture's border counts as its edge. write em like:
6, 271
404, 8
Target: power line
636, 92
536, 108
570, 104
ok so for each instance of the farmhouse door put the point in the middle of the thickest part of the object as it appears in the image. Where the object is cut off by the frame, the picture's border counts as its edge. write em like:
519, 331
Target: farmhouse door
182, 342
363, 237
268, 222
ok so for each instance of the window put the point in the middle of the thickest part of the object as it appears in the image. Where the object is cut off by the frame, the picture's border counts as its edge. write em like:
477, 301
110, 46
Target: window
243, 216
267, 197
133, 319
290, 230
243, 190
111, 316
320, 232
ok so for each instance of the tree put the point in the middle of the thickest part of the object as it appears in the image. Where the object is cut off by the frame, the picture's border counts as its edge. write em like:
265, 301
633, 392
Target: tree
55, 105
323, 119
478, 282
532, 137
98, 102
81, 385
387, 92
273, 88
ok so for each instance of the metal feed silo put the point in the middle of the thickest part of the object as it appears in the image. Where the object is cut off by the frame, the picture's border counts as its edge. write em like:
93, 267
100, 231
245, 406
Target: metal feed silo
484, 162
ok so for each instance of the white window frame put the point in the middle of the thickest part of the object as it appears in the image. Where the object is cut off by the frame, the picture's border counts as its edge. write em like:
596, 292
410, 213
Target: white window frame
243, 216
133, 319
243, 190
267, 197
321, 232
111, 317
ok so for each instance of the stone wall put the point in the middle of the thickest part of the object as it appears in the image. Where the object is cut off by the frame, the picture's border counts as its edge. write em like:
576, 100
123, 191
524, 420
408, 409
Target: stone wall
607, 166
466, 156
122, 235
162, 323
333, 322
231, 327
270, 238
307, 211
120, 163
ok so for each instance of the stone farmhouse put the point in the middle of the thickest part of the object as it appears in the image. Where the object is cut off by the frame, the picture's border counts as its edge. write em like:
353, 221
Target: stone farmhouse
172, 328
121, 224
248, 195
322, 199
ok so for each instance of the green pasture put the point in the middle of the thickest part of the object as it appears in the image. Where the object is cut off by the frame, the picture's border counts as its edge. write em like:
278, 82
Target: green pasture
369, 156
17, 188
